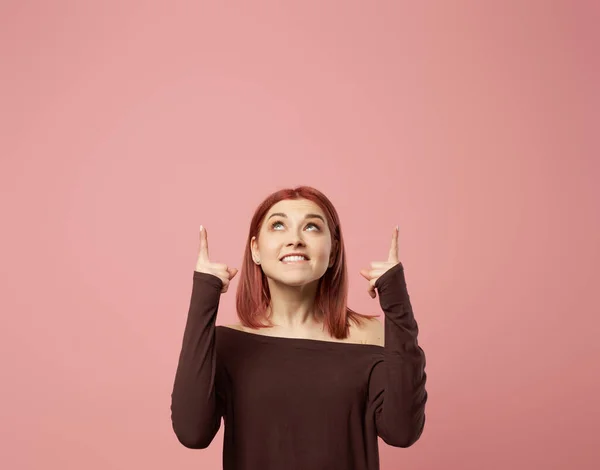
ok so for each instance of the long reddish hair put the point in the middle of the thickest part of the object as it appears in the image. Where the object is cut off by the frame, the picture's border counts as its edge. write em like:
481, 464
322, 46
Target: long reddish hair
253, 296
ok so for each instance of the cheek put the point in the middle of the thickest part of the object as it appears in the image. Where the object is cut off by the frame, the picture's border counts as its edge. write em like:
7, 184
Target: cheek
323, 251
270, 250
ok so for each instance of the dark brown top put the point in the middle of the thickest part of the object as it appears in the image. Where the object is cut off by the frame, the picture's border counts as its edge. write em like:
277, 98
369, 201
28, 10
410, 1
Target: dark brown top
293, 403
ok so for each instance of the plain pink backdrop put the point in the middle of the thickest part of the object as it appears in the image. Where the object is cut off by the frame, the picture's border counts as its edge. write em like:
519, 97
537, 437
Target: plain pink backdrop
472, 125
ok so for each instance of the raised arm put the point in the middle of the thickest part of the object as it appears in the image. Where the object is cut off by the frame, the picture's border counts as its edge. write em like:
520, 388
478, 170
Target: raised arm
397, 394
196, 409
397, 386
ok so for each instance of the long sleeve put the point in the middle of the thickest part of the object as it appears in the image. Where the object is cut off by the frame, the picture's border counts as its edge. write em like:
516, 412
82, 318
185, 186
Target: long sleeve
196, 409
397, 393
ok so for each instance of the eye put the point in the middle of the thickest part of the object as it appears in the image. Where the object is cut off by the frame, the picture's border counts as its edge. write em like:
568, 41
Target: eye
310, 224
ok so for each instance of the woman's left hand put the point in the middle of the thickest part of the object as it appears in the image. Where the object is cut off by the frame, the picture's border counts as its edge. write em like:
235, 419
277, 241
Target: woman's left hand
378, 268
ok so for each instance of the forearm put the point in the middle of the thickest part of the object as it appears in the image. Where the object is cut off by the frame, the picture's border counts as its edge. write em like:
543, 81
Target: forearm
194, 408
401, 415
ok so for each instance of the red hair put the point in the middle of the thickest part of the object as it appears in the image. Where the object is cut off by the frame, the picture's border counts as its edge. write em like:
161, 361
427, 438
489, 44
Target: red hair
253, 296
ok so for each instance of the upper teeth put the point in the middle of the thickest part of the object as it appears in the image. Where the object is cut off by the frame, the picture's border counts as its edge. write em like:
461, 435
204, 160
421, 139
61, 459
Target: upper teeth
294, 258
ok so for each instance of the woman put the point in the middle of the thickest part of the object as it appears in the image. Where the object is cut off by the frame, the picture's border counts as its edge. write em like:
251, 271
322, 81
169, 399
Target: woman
302, 382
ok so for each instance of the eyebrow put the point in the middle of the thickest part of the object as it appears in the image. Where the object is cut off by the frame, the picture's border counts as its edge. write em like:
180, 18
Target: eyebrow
307, 216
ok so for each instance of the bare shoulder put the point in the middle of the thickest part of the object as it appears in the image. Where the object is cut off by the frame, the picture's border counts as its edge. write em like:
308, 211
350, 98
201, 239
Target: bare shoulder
236, 326
370, 331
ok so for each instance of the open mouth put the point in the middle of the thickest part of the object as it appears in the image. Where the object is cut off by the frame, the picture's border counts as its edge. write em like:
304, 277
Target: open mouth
290, 259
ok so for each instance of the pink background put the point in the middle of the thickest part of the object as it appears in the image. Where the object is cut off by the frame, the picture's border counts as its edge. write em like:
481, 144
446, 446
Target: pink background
472, 125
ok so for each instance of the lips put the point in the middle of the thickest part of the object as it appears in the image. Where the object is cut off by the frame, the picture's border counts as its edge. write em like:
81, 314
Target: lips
306, 258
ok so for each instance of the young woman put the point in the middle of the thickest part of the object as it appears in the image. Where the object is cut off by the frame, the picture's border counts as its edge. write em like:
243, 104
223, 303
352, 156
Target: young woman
302, 381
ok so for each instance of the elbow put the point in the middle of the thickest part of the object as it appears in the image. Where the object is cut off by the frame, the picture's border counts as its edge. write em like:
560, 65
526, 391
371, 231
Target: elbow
404, 436
195, 427
407, 427
194, 430
192, 440
403, 440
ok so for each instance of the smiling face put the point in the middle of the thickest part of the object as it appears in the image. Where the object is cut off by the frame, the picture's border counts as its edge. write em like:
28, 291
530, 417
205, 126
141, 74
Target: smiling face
294, 227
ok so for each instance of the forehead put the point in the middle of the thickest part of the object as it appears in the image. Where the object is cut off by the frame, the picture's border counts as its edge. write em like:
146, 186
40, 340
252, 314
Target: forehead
296, 207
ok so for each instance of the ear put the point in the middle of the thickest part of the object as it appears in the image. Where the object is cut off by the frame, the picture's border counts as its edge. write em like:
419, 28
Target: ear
254, 250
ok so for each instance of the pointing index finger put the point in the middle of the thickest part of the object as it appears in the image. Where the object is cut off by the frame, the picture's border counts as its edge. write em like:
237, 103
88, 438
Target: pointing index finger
393, 255
203, 250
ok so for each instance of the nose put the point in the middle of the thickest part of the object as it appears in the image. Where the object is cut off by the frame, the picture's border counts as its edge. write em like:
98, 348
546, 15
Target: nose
295, 239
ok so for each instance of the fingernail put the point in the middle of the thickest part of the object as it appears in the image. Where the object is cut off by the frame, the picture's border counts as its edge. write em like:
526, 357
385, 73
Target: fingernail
201, 228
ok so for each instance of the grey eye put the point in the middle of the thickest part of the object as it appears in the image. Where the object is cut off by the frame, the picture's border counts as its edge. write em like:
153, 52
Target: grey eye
310, 224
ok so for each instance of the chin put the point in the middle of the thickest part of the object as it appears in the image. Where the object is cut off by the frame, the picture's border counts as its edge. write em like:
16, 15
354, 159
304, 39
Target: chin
295, 279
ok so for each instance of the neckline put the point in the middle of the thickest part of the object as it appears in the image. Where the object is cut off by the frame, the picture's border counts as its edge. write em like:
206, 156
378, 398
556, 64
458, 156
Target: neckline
302, 342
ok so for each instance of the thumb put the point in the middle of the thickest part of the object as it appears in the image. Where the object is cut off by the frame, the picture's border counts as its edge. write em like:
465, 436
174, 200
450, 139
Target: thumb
232, 272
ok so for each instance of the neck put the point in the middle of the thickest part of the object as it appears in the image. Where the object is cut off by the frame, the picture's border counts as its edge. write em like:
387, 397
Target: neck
292, 306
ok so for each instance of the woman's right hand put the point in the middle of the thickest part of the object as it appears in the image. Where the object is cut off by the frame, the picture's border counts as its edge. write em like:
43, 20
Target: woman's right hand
203, 265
